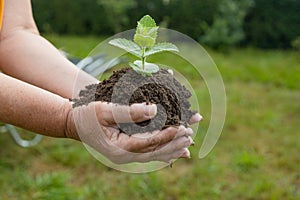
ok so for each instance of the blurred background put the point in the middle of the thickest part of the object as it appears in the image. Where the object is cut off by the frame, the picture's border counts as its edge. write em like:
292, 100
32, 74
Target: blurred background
217, 23
256, 46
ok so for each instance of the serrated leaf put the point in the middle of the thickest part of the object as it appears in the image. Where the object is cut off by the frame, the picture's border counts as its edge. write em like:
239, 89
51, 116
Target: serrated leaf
127, 45
160, 47
148, 68
147, 21
145, 40
146, 32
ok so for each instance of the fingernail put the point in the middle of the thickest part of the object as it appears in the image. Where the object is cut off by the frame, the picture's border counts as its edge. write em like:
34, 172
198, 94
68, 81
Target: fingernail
150, 110
198, 117
188, 154
183, 155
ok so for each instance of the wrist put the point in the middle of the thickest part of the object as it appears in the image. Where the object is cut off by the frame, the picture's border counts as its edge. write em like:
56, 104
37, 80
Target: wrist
70, 128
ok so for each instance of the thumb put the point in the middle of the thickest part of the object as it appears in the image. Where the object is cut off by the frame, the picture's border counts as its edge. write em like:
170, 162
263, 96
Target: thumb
113, 113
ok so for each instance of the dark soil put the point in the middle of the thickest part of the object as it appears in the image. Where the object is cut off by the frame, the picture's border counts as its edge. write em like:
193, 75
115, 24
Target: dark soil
126, 87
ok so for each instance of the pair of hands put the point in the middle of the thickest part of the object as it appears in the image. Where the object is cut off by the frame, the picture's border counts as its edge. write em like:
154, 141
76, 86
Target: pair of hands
96, 125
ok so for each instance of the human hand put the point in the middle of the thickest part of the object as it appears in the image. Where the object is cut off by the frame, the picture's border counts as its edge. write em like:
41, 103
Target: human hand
96, 125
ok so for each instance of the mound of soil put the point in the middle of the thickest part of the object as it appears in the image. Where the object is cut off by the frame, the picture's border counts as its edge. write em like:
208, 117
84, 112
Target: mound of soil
126, 87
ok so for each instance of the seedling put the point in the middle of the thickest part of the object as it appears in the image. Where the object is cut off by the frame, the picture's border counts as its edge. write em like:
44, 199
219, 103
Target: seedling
143, 45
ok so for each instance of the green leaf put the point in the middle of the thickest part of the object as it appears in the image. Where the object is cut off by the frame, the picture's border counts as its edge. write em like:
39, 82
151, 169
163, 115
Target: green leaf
127, 45
145, 39
149, 67
135, 67
139, 70
146, 32
147, 21
160, 47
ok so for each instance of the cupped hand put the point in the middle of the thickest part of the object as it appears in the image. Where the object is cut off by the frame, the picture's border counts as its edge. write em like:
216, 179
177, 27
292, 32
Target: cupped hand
96, 125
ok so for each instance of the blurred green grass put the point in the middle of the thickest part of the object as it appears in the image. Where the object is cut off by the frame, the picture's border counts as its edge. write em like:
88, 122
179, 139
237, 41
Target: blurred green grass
256, 157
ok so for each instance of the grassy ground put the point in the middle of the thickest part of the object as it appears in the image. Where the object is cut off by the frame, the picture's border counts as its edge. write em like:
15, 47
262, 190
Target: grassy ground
257, 156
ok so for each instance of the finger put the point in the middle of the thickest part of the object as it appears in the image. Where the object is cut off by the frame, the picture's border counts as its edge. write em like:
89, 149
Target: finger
153, 140
196, 118
110, 113
189, 139
186, 154
175, 150
182, 131
172, 150
176, 144
169, 158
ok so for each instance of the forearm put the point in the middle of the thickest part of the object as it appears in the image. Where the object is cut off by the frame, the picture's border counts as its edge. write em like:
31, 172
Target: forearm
33, 108
29, 57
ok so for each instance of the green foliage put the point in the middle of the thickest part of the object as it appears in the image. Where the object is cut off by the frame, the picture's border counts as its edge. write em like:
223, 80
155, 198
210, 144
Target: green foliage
296, 43
144, 68
144, 46
146, 32
227, 27
160, 47
218, 23
116, 9
72, 17
273, 23
127, 45
188, 16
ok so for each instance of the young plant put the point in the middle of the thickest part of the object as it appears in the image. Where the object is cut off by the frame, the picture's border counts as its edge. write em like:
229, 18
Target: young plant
143, 45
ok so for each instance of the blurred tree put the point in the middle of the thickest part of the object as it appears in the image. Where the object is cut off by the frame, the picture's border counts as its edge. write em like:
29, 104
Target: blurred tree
273, 23
227, 28
43, 16
188, 16
117, 11
268, 24
71, 17
296, 43
156, 8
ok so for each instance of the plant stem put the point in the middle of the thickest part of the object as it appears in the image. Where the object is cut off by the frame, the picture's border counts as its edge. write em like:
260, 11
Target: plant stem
143, 58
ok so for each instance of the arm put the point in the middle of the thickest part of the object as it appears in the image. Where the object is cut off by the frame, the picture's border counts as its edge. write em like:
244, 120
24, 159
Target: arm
40, 111
32, 108
27, 56
33, 105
